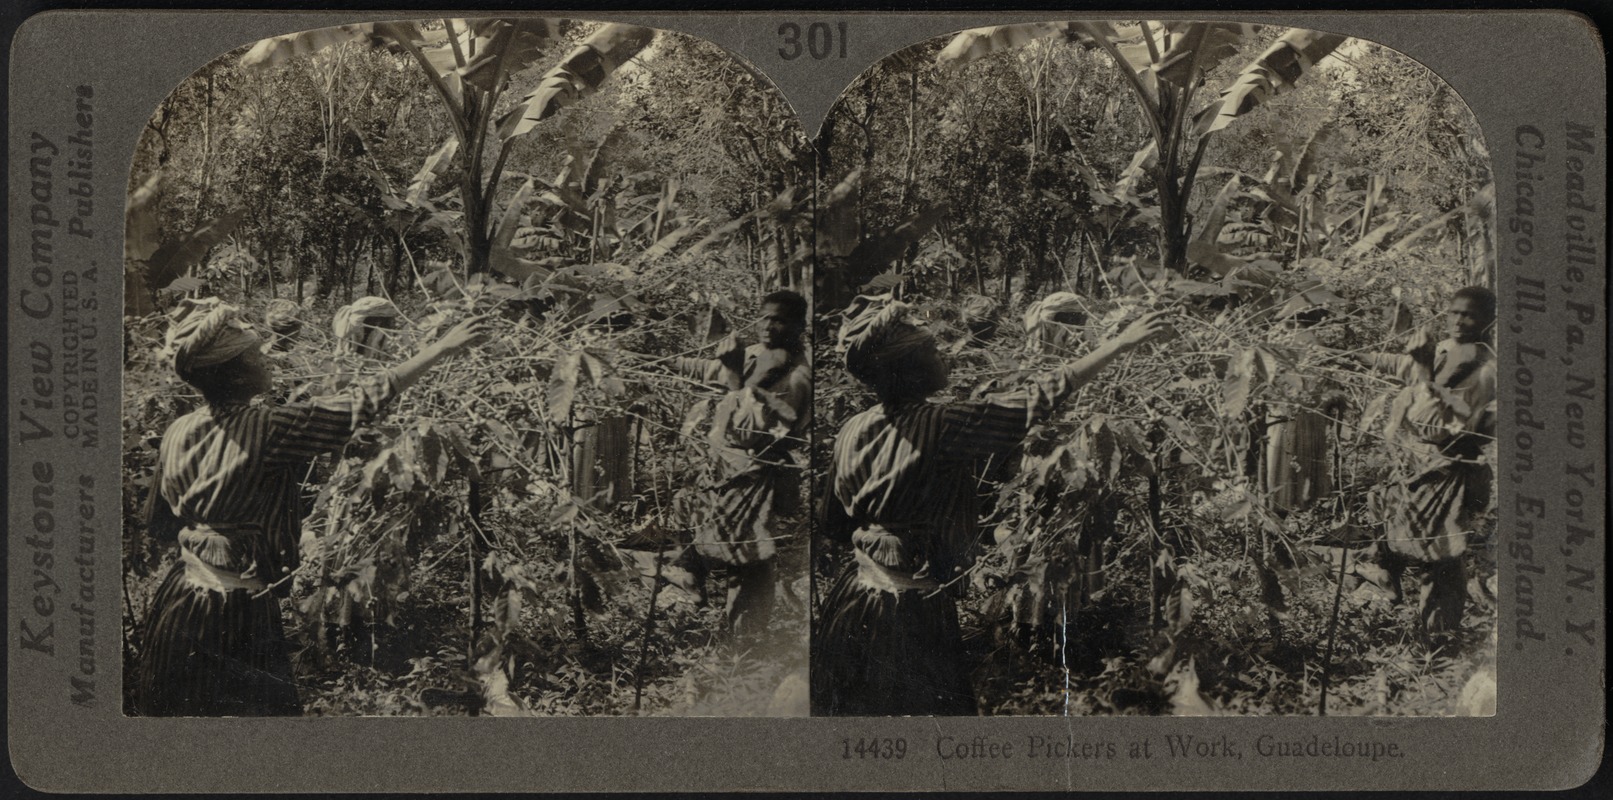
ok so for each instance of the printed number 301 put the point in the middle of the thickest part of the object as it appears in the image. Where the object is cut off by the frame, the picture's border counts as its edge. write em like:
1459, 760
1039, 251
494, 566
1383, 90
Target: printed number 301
820, 41
894, 749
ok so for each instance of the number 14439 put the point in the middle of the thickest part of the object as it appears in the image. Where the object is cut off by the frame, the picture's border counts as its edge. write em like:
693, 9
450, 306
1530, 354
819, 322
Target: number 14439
892, 749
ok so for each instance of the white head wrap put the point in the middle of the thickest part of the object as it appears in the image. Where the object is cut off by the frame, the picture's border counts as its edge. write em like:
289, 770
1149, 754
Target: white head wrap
353, 327
1043, 330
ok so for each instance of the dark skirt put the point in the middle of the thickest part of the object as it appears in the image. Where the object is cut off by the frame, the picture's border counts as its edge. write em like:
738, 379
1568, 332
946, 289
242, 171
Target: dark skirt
1430, 519
214, 654
741, 528
879, 653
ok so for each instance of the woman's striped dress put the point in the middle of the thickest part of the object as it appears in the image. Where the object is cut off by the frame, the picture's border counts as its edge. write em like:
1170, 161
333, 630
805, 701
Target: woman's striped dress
214, 643
887, 640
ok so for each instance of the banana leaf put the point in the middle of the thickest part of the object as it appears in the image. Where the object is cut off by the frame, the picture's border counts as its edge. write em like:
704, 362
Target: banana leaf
435, 165
1199, 48
664, 245
1482, 199
177, 254
142, 229
501, 256
278, 50
837, 228
975, 44
512, 48
578, 75
1273, 73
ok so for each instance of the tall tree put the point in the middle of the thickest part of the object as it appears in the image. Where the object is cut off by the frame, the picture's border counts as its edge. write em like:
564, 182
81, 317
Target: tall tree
471, 64
1166, 64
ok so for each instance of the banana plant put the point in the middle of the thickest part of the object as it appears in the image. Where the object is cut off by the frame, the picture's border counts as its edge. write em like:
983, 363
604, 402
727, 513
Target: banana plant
471, 64
1297, 212
852, 259
1167, 66
156, 261
1296, 207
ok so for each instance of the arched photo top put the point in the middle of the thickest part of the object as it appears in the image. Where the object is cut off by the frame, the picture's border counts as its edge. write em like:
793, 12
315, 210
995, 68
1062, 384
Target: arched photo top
453, 116
453, 334
1203, 271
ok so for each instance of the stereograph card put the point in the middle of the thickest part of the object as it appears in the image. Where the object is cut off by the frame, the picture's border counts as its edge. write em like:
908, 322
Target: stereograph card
715, 401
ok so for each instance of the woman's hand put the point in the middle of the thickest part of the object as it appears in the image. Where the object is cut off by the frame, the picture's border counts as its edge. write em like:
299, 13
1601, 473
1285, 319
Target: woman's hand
1148, 327
471, 332
466, 334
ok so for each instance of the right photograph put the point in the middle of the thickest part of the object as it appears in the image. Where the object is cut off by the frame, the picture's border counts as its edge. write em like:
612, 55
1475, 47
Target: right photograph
1155, 375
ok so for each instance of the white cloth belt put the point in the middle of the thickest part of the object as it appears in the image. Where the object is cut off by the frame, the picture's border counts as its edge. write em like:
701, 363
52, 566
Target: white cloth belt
203, 575
874, 575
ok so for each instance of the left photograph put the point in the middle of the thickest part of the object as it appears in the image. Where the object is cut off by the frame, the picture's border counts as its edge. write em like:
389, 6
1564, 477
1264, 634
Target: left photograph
465, 374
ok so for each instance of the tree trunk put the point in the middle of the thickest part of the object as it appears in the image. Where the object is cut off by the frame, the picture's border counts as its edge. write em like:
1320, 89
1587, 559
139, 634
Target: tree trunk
972, 259
394, 281
1038, 267
478, 207
268, 264
327, 281
1074, 280
825, 143
1172, 228
477, 243
206, 166
1008, 281
778, 276
910, 163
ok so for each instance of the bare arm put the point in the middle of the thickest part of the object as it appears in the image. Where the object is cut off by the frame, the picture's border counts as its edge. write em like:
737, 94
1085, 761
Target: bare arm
998, 424
1146, 328
1419, 353
470, 332
301, 431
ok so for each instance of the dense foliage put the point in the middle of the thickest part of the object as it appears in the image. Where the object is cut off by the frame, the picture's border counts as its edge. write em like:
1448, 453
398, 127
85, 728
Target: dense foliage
503, 539
1144, 553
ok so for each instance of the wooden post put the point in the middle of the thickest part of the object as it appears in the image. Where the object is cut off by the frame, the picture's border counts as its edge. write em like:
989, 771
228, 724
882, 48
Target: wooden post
473, 570
649, 630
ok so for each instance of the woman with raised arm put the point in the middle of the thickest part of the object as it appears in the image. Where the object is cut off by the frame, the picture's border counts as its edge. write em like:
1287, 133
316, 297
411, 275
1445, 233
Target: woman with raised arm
228, 476
902, 489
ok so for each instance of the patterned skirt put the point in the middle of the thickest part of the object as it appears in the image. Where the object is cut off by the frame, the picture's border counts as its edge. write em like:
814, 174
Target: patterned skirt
1429, 517
214, 654
740, 527
877, 652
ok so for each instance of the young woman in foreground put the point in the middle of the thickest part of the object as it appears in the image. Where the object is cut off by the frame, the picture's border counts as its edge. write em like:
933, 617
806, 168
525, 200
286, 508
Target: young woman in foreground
902, 487
231, 473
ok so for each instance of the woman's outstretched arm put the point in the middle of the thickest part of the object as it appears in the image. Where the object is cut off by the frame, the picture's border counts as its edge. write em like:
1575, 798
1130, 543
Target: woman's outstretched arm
1146, 328
462, 336
301, 431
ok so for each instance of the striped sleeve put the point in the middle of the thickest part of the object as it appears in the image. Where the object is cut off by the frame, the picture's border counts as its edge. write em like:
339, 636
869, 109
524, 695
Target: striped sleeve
301, 431
999, 423
977, 430
868, 466
188, 467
